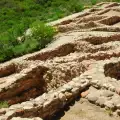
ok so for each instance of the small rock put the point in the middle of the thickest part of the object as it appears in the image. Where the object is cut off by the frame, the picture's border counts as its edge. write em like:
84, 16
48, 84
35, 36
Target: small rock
44, 96
3, 117
92, 98
10, 113
27, 107
54, 95
109, 104
76, 79
89, 77
118, 112
83, 81
96, 86
19, 112
75, 91
16, 106
67, 87
116, 100
84, 94
47, 103
18, 118
105, 86
68, 95
39, 100
100, 102
84, 85
112, 88
118, 91
37, 118
72, 84
2, 111
107, 93
109, 98
113, 79
62, 90
78, 85
118, 106
62, 97
94, 82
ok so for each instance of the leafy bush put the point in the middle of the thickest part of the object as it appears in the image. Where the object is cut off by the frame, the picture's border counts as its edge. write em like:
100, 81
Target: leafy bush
75, 6
93, 2
42, 33
40, 37
16, 16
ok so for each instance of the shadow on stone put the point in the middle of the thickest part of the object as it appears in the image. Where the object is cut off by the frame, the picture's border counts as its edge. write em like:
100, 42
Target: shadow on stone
112, 70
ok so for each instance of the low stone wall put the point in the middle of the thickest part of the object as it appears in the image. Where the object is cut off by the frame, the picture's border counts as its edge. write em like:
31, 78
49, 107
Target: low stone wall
104, 91
49, 103
87, 44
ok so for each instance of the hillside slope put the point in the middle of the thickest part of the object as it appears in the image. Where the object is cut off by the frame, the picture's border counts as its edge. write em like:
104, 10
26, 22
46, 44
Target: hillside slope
19, 15
82, 61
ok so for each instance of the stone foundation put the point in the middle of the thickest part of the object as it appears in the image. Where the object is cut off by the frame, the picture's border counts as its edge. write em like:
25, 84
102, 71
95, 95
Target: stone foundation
85, 54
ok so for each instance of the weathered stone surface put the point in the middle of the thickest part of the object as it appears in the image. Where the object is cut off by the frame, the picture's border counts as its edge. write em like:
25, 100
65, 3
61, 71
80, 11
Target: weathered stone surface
2, 111
101, 101
118, 91
85, 57
75, 91
92, 98
18, 118
118, 106
110, 105
118, 112
68, 95
62, 97
107, 93
67, 87
112, 88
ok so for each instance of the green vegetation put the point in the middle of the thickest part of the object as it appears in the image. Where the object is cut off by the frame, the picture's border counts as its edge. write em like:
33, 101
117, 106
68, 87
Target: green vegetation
16, 16
41, 35
93, 2
109, 112
3, 104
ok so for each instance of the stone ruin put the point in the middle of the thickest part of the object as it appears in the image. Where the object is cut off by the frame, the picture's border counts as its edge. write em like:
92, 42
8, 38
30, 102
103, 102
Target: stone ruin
84, 55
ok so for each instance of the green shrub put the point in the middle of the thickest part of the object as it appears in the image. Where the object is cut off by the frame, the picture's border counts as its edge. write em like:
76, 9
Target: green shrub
16, 16
29, 45
40, 37
75, 6
93, 2
42, 33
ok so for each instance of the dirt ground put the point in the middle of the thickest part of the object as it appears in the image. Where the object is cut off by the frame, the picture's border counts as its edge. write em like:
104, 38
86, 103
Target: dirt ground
84, 110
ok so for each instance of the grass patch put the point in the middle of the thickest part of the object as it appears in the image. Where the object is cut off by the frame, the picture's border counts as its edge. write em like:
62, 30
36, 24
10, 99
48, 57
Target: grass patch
4, 104
109, 112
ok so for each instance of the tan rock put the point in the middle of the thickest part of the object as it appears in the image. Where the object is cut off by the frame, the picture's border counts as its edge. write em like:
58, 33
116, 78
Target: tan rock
84, 94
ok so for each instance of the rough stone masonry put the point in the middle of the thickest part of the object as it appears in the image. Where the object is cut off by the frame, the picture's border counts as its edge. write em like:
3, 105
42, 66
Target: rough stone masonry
84, 54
